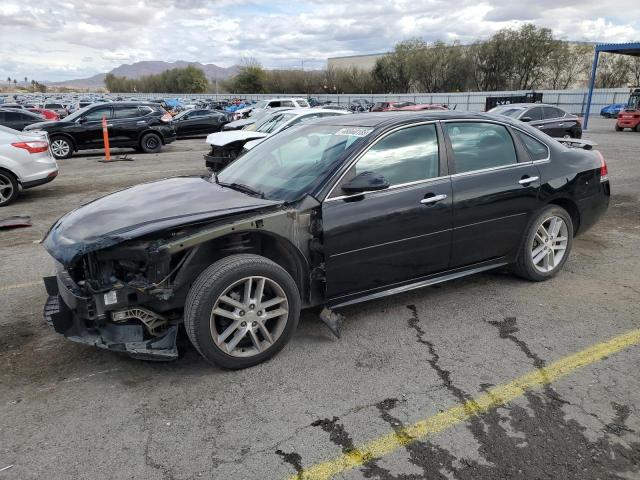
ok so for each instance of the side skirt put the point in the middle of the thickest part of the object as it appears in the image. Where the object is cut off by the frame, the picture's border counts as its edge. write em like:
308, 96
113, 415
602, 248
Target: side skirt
445, 277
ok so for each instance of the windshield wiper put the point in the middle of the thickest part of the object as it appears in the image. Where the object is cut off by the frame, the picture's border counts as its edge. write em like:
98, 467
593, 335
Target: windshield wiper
243, 188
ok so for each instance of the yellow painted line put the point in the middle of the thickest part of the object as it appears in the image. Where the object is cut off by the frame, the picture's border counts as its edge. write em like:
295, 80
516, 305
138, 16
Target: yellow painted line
494, 397
20, 285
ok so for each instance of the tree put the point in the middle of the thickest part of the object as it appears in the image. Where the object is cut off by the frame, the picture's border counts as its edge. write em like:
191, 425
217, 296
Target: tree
613, 71
250, 79
635, 70
9, 79
176, 80
568, 65
26, 79
530, 49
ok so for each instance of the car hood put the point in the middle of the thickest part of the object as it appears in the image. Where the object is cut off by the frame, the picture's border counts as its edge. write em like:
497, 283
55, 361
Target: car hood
145, 209
241, 123
45, 125
222, 139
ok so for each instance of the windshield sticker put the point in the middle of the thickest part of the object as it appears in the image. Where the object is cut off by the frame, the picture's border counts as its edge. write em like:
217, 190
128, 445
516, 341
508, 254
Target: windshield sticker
354, 131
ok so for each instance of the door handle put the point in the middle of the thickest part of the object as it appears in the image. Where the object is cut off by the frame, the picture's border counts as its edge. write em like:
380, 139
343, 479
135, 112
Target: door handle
433, 199
528, 180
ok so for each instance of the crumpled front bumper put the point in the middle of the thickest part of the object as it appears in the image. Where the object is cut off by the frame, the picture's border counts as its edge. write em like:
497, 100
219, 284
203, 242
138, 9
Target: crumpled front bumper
74, 317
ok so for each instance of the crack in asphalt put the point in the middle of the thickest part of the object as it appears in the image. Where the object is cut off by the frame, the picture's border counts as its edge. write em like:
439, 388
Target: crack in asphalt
541, 442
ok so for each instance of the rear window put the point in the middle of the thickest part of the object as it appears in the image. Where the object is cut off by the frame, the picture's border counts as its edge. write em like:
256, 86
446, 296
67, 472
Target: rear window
126, 112
53, 105
479, 146
303, 103
537, 150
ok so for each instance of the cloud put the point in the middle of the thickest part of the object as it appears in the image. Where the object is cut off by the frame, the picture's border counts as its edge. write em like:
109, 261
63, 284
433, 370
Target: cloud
60, 39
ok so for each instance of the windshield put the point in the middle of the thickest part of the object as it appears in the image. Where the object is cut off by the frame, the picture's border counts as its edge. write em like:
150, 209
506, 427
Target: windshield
288, 165
261, 104
634, 102
512, 112
271, 123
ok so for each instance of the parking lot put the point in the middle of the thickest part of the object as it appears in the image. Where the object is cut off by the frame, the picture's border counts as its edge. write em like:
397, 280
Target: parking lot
442, 382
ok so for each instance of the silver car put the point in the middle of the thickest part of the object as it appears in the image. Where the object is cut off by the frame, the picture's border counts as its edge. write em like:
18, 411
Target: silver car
25, 162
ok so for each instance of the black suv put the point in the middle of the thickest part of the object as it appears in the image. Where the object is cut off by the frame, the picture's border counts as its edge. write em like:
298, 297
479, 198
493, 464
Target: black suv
140, 125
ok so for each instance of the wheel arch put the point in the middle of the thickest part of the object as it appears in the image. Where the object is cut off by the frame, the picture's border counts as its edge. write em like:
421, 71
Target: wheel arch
267, 244
74, 145
150, 130
572, 209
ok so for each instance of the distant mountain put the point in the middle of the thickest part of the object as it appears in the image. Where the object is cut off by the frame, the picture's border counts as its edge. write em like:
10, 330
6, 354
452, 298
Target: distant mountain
139, 69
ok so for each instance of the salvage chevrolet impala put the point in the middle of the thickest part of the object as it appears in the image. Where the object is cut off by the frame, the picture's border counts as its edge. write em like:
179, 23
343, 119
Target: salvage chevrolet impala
342, 210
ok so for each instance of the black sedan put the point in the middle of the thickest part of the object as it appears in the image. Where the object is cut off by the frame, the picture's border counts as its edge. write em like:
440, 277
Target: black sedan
550, 119
330, 213
140, 125
191, 123
18, 119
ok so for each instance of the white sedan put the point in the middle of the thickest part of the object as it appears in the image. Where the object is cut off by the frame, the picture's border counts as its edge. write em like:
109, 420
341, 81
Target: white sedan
226, 146
25, 162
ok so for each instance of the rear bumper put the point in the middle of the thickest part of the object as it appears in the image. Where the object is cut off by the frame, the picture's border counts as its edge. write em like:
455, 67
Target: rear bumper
628, 122
40, 181
592, 208
76, 317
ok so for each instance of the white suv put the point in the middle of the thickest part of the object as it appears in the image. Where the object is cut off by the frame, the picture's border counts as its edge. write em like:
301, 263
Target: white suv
263, 105
25, 162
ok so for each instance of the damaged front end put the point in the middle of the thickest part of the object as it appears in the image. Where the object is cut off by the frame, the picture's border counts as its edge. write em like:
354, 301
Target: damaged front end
123, 299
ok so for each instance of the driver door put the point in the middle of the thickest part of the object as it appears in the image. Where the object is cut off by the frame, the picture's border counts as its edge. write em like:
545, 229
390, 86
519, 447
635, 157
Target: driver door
88, 132
378, 240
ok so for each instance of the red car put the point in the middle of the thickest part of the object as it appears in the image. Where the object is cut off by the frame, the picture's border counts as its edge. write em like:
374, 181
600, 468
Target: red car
423, 106
405, 106
46, 113
628, 119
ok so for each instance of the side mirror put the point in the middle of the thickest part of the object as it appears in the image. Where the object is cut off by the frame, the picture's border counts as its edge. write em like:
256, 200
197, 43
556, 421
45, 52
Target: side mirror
365, 182
81, 120
526, 119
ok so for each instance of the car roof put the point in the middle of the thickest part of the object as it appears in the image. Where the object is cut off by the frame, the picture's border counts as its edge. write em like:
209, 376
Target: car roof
384, 119
526, 105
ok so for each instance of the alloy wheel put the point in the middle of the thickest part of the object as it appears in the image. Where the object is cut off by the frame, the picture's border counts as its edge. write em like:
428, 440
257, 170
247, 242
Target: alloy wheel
549, 244
249, 316
60, 148
6, 188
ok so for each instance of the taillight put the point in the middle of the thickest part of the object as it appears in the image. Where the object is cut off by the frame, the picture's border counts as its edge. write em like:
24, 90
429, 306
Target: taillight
579, 120
32, 147
604, 171
166, 117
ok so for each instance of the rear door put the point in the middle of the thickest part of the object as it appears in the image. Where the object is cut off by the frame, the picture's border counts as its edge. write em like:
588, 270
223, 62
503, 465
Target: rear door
560, 123
377, 240
125, 125
495, 191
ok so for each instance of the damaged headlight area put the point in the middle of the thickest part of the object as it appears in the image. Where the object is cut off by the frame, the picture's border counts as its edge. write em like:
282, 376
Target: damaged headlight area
124, 299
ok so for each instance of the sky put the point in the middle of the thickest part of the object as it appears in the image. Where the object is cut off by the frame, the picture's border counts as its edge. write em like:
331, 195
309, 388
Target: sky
56, 40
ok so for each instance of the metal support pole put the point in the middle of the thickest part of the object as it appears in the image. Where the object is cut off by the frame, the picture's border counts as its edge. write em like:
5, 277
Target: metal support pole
592, 82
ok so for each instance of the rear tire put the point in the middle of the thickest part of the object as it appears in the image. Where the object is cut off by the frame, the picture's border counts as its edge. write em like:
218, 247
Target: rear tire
9, 189
546, 245
637, 129
61, 147
235, 329
151, 143
618, 128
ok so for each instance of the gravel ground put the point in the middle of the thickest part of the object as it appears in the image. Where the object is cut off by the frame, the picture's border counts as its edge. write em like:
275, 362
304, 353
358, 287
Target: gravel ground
69, 411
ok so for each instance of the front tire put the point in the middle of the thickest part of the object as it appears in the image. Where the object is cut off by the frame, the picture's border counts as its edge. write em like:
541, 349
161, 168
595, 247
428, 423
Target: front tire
546, 245
151, 143
9, 189
61, 147
241, 311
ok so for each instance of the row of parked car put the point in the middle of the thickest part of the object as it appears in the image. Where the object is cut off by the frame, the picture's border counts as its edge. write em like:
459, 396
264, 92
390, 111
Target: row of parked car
147, 127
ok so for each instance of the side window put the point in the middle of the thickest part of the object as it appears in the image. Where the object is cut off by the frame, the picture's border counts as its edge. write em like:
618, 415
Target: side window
408, 155
553, 112
478, 145
144, 111
534, 113
287, 103
126, 112
97, 114
274, 104
537, 150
